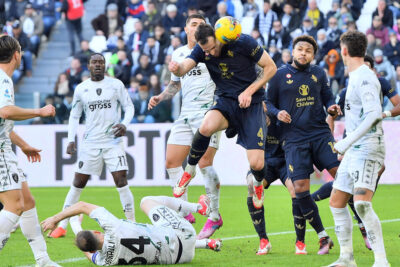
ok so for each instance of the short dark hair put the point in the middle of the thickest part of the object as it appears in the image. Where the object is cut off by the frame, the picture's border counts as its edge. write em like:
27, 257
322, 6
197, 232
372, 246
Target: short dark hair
86, 241
306, 38
203, 32
370, 60
356, 43
94, 54
8, 46
195, 16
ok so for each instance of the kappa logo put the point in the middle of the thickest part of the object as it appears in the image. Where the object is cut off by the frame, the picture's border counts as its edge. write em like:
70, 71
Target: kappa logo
299, 226
80, 164
15, 177
6, 81
364, 83
156, 217
314, 78
257, 222
98, 91
304, 90
289, 81
86, 90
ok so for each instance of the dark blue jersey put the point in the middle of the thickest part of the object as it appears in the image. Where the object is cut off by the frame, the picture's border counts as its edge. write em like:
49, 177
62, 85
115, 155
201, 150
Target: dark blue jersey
273, 148
303, 94
234, 70
386, 89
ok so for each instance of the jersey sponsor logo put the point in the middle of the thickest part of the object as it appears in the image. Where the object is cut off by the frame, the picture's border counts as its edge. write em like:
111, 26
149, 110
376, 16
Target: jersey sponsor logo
7, 94
110, 251
15, 177
304, 90
229, 53
196, 71
98, 91
225, 74
99, 104
314, 78
306, 100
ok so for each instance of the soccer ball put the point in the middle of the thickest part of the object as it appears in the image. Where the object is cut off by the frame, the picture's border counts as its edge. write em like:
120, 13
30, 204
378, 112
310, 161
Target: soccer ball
227, 29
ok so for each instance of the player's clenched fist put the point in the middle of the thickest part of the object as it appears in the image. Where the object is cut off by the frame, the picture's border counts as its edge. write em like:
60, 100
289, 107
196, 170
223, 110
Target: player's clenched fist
47, 111
284, 116
71, 148
154, 101
244, 100
173, 67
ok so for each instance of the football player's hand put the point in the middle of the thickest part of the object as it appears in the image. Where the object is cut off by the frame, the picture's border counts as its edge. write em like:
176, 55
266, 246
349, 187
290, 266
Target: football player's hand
154, 101
49, 224
335, 110
120, 130
341, 147
244, 100
173, 67
47, 111
71, 148
284, 116
32, 153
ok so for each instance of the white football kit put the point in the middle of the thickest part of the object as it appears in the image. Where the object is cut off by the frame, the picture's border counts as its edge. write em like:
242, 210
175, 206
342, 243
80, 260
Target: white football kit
363, 160
197, 97
101, 101
11, 177
171, 239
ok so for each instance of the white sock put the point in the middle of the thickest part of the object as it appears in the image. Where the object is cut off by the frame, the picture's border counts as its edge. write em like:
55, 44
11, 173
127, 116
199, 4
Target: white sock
75, 224
343, 230
7, 222
202, 243
255, 182
176, 204
191, 169
72, 197
174, 175
127, 201
322, 234
373, 228
211, 182
31, 229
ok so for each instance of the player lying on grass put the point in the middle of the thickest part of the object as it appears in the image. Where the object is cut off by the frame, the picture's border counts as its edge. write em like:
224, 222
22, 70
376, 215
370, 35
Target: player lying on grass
170, 239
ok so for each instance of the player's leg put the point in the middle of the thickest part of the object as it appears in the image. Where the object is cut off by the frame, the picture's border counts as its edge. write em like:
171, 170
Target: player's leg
176, 204
213, 122
257, 216
213, 244
13, 207
360, 223
323, 192
125, 193
212, 185
258, 169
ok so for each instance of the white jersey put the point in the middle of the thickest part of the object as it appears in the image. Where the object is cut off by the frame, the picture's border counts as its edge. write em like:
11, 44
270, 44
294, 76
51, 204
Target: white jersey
363, 95
129, 243
197, 87
6, 99
101, 101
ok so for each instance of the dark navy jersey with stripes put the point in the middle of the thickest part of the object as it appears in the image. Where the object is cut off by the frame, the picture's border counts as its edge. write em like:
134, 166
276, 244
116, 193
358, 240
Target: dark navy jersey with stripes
303, 94
234, 70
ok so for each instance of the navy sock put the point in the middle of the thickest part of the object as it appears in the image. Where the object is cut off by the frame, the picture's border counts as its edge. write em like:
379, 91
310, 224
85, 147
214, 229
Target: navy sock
351, 204
199, 146
310, 210
323, 192
257, 217
261, 174
299, 221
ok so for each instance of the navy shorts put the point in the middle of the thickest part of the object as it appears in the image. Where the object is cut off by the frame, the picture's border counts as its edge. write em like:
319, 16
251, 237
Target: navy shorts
276, 169
249, 123
300, 157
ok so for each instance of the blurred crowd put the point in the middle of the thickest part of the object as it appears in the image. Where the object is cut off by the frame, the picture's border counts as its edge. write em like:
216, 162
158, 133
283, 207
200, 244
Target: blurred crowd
138, 37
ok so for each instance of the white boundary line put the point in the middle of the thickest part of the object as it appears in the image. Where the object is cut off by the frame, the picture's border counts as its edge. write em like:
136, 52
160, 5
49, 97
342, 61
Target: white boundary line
226, 238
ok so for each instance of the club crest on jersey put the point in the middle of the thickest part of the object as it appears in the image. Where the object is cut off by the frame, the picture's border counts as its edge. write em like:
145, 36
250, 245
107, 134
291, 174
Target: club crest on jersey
15, 177
156, 217
98, 91
304, 90
80, 164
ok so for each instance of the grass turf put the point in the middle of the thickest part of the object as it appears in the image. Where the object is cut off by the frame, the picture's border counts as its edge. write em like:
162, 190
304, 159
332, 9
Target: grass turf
240, 247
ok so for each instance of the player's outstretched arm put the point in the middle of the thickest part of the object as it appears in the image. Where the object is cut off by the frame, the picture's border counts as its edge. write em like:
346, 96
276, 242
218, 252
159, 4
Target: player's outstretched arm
180, 69
19, 114
169, 92
31, 152
78, 208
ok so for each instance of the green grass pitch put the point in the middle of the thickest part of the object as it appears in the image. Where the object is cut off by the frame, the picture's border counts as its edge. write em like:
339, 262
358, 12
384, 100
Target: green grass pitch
239, 249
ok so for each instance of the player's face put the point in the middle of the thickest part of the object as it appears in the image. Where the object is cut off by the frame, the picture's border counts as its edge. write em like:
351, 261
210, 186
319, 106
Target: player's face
191, 28
303, 53
18, 56
344, 53
97, 66
212, 47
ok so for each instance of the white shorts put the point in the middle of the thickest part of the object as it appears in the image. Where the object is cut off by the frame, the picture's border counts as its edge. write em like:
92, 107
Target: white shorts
165, 217
359, 169
11, 177
91, 160
185, 127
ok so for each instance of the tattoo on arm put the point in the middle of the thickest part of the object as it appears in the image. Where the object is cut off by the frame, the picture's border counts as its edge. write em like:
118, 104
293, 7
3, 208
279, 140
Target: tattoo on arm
260, 72
360, 192
171, 90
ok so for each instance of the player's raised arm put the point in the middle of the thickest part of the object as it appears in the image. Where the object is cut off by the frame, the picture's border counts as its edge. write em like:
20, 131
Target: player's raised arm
180, 69
18, 114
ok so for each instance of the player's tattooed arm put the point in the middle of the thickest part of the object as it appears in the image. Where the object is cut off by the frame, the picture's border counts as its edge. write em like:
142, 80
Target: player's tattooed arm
260, 72
169, 92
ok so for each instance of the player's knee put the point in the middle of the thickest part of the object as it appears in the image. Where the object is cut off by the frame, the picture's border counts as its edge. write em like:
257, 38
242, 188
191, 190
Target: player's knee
362, 207
207, 128
78, 183
257, 164
121, 182
205, 162
29, 202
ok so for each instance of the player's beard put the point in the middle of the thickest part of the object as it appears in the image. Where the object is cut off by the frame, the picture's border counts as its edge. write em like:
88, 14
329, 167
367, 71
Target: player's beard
301, 66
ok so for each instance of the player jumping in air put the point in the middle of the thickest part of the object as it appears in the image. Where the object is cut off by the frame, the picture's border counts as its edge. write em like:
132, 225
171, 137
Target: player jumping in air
297, 95
101, 98
15, 195
197, 97
239, 100
364, 153
170, 239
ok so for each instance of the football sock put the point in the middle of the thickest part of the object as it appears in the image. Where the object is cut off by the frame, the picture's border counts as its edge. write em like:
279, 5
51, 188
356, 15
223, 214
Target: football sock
373, 228
127, 201
176, 204
174, 175
7, 222
72, 197
310, 211
299, 221
75, 224
202, 243
257, 217
199, 146
212, 185
323, 192
343, 230
260, 174
30, 227
351, 205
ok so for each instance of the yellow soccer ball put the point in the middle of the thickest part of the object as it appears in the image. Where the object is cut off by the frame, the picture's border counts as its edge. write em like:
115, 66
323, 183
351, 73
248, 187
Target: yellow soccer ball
227, 29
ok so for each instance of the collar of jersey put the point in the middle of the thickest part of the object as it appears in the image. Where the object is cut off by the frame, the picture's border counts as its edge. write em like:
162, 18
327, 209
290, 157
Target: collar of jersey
294, 70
